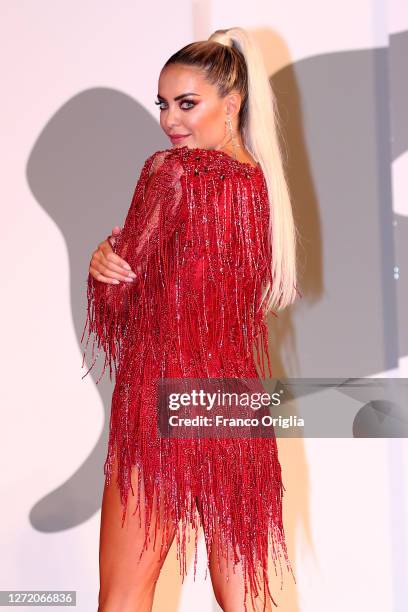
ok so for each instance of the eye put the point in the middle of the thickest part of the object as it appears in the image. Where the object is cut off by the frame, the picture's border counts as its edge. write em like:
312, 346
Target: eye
185, 101
189, 102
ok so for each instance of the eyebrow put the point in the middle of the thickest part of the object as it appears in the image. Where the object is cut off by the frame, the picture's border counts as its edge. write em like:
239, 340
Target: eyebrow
179, 97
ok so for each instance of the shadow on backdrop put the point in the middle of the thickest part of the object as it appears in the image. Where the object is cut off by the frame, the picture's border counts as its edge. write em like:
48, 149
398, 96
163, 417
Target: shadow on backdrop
85, 163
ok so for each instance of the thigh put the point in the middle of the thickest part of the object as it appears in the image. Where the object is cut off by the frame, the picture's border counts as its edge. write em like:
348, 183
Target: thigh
227, 577
127, 569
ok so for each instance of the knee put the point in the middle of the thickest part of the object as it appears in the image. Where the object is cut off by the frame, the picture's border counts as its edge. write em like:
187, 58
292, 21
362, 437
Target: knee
139, 598
125, 592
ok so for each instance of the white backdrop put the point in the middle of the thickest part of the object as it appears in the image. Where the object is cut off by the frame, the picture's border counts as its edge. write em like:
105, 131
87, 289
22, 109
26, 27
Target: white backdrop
78, 119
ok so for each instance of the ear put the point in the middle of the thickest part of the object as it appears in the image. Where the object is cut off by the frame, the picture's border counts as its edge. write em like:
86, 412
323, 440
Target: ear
232, 104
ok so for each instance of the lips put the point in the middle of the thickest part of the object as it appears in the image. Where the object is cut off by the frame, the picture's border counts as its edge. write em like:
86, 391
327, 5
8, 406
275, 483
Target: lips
177, 137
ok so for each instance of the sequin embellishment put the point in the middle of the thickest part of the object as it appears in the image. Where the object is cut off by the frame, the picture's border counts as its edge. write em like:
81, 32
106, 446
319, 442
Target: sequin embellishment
196, 235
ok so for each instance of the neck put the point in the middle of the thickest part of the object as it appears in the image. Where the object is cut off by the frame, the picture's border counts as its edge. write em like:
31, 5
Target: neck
233, 145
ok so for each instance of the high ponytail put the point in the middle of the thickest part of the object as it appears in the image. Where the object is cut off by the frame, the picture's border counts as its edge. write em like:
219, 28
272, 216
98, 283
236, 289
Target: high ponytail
232, 60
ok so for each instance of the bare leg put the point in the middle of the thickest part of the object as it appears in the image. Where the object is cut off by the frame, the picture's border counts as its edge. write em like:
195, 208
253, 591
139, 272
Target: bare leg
229, 592
127, 584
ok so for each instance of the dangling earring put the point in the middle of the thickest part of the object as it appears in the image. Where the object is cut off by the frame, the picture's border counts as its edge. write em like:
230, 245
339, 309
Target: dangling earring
235, 145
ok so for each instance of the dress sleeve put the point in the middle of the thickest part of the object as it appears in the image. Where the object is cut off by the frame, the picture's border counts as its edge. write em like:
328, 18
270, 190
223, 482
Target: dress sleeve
154, 213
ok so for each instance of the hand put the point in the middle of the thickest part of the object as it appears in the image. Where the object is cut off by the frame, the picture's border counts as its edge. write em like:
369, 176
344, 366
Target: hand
108, 267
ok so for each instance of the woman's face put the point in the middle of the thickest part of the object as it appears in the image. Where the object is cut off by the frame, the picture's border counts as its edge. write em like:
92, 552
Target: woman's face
190, 107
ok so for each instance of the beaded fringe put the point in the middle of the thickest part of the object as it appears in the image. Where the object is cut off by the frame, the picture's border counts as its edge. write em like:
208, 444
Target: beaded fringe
196, 235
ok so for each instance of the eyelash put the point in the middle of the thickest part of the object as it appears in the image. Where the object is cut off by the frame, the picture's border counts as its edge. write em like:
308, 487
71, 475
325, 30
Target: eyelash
183, 101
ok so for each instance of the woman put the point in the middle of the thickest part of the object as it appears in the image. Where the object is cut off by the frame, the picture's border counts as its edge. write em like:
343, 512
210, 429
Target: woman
206, 251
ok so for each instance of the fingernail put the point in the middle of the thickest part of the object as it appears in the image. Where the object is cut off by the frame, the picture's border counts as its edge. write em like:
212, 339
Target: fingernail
115, 281
125, 265
132, 274
128, 279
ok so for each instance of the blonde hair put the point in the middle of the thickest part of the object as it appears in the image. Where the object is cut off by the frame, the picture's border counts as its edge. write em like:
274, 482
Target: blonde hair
231, 60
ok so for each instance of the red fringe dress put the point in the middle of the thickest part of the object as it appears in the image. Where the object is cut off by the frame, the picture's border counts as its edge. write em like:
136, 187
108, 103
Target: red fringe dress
196, 234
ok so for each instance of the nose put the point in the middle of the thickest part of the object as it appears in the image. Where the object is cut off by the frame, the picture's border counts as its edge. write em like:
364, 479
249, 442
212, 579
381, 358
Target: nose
171, 119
